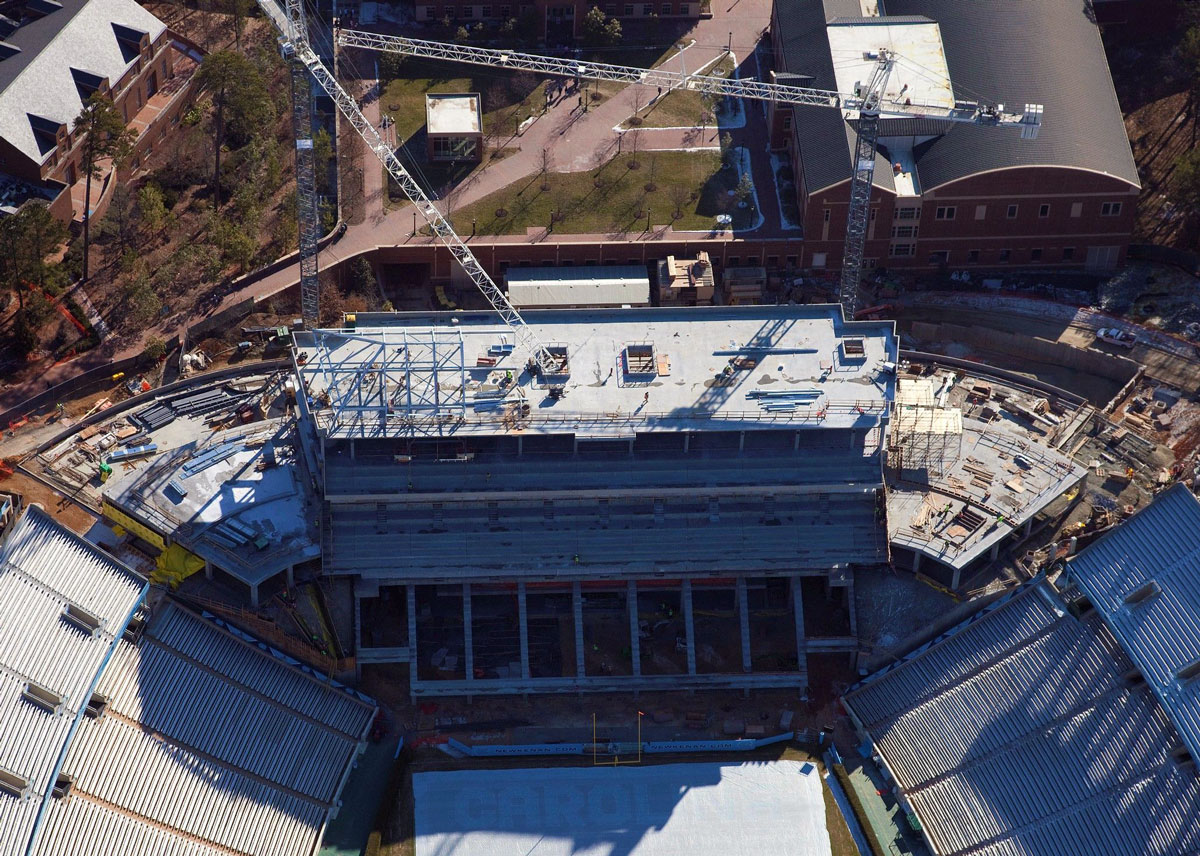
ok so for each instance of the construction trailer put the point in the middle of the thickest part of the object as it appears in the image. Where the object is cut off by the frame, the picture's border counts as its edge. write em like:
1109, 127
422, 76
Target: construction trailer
668, 498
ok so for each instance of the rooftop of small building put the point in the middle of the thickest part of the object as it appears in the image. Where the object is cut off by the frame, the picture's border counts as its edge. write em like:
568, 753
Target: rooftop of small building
453, 113
609, 285
919, 76
626, 370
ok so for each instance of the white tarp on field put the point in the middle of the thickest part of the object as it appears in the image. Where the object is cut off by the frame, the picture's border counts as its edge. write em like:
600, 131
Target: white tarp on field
737, 809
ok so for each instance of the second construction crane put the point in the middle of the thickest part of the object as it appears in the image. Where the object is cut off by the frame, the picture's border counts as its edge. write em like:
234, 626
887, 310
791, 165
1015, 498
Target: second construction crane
865, 106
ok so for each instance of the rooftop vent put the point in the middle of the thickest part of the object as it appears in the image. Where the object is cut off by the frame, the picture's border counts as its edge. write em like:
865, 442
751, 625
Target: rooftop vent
640, 359
135, 628
1189, 672
63, 785
1142, 593
96, 706
47, 699
81, 618
854, 350
13, 784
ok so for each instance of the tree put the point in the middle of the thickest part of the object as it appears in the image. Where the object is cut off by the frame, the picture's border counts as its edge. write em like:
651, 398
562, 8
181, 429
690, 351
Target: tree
26, 238
24, 333
105, 137
633, 146
1184, 190
727, 149
141, 302
120, 223
600, 30
745, 188
238, 10
362, 277
242, 104
679, 196
155, 349
155, 216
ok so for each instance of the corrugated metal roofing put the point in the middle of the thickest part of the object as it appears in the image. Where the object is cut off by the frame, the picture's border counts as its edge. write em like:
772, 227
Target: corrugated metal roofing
607, 285
43, 569
1016, 735
1160, 545
1008, 51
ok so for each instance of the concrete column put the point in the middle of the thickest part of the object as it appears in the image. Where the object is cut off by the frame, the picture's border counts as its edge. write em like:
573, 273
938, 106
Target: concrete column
741, 441
1027, 528
796, 443
956, 578
689, 626
468, 642
687, 441
291, 576
410, 594
520, 445
208, 574
995, 551
577, 609
352, 448
254, 595
916, 561
635, 641
357, 634
523, 619
743, 604
801, 641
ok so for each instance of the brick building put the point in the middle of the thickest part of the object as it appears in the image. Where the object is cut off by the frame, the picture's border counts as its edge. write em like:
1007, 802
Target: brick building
961, 195
53, 56
558, 21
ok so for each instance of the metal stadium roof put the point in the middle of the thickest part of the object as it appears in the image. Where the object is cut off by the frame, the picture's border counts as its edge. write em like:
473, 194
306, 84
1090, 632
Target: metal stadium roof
1144, 578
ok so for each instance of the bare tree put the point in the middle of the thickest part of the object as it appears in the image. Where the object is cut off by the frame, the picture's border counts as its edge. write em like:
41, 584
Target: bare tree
634, 145
638, 97
679, 196
652, 173
547, 162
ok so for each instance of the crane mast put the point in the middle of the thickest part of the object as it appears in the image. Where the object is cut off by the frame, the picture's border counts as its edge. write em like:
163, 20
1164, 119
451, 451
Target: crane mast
868, 101
301, 52
307, 217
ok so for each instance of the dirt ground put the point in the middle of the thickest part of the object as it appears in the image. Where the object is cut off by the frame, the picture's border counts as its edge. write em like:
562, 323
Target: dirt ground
74, 517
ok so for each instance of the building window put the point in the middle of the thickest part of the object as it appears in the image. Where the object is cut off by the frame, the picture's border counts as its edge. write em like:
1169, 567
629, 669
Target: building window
819, 260
787, 120
945, 212
647, 9
1076, 209
734, 261
825, 216
790, 261
1012, 212
628, 9
902, 250
485, 12
1044, 210
1110, 209
610, 9
940, 257
666, 8
1005, 255
972, 256
468, 11
1035, 255
908, 213
904, 231
980, 212
1068, 253
772, 261
874, 212
685, 9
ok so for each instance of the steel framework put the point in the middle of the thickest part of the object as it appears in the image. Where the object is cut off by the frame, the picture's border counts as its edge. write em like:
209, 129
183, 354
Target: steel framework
385, 384
868, 103
306, 185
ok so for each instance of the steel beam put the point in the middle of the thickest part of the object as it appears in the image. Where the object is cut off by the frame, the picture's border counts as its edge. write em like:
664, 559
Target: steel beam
577, 609
609, 684
743, 602
801, 645
689, 626
410, 594
635, 642
523, 620
468, 640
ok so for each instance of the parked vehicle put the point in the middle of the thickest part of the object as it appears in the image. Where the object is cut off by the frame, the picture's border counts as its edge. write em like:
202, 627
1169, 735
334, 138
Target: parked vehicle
1115, 336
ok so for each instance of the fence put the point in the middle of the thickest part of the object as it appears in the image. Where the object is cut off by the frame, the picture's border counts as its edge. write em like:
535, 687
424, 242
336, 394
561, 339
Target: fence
1190, 262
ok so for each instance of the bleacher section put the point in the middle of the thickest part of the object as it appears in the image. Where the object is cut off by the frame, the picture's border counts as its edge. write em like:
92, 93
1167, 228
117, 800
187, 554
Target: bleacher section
207, 739
1022, 733
62, 604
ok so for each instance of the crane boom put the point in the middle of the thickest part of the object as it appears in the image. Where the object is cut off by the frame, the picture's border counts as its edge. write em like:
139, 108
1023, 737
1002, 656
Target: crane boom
303, 53
868, 103
962, 111
306, 185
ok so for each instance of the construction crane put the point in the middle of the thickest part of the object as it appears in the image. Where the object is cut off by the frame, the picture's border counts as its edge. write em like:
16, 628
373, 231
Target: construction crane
296, 48
868, 101
296, 28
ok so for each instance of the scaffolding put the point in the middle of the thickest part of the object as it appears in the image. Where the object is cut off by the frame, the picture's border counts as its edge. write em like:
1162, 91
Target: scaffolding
925, 437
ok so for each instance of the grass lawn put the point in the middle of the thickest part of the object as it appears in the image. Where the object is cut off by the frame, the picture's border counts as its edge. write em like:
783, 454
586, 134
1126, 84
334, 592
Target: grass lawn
404, 99
613, 199
680, 109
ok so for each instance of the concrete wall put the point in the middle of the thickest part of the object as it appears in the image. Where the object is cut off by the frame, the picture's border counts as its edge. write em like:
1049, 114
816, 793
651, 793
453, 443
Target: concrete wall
1093, 362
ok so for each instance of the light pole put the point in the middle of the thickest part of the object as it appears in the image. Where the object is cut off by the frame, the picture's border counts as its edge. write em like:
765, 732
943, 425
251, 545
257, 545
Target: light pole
647, 218
729, 44
414, 231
